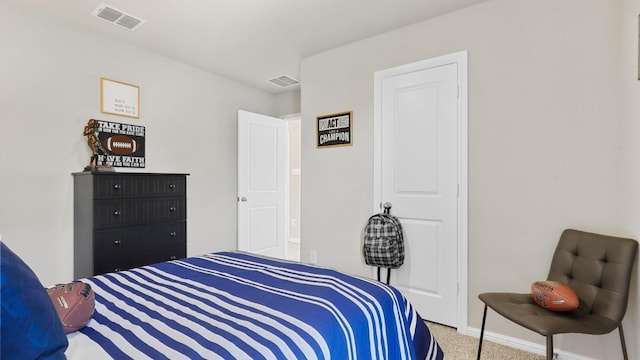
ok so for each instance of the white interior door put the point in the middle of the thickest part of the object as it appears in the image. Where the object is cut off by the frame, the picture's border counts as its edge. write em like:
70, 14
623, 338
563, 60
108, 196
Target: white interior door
262, 184
417, 151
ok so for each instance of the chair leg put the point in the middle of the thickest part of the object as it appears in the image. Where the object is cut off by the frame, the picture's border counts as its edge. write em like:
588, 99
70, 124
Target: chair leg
624, 345
550, 347
484, 319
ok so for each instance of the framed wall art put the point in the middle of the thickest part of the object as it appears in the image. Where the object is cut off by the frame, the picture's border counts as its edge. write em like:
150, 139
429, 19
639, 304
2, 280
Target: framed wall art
115, 145
119, 98
334, 129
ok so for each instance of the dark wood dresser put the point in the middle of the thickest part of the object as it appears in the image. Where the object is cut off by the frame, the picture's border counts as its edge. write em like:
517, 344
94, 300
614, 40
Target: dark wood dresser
125, 220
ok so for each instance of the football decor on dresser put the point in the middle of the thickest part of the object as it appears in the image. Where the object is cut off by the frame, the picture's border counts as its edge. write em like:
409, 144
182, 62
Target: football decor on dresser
114, 145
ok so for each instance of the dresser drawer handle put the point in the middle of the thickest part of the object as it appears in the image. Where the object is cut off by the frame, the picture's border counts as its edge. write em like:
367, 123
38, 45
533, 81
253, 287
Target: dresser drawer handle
172, 234
173, 257
172, 186
117, 213
117, 187
172, 209
117, 242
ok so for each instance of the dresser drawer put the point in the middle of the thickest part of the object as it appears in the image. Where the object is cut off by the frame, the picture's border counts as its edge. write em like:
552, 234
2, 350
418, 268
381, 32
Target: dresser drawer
104, 264
111, 213
169, 234
117, 186
119, 242
133, 239
164, 254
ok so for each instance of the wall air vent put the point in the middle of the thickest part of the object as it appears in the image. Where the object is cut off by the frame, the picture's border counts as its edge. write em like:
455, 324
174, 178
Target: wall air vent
283, 81
117, 17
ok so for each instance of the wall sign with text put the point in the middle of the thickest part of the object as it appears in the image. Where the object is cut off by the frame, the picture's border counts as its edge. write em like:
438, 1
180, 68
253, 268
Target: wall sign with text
334, 129
120, 145
119, 98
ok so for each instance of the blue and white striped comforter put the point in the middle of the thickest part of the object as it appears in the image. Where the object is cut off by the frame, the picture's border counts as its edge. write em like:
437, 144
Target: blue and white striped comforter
238, 306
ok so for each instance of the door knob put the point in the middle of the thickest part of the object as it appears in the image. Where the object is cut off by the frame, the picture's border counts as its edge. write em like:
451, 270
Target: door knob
387, 207
243, 199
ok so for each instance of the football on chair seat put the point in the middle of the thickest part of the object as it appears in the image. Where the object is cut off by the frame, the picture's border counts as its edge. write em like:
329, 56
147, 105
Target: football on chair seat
74, 303
554, 296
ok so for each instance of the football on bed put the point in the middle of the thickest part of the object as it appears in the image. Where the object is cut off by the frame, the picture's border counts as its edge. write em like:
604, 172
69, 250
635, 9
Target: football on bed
74, 302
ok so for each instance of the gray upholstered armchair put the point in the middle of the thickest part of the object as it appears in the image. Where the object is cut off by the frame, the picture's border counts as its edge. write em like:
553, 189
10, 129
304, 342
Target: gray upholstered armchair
598, 268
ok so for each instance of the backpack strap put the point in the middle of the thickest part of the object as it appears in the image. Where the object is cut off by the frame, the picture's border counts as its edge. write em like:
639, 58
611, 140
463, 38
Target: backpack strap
388, 274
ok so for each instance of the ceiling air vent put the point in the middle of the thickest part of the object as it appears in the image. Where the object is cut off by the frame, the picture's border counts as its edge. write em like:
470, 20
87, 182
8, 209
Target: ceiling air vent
283, 81
117, 17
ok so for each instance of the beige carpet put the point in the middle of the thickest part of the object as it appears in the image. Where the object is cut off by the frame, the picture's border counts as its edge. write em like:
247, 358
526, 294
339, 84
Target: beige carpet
461, 347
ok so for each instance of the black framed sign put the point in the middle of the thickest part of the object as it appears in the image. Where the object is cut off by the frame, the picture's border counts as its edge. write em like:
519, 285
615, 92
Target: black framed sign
334, 129
118, 145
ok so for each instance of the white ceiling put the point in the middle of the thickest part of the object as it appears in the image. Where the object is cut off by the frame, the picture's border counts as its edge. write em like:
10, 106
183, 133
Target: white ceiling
250, 41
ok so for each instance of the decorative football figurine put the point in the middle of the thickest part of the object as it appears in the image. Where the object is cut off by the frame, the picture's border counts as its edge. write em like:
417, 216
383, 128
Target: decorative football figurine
74, 303
554, 296
91, 131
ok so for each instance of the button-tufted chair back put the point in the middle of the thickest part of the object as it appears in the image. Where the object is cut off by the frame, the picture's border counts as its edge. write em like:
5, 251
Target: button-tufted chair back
598, 268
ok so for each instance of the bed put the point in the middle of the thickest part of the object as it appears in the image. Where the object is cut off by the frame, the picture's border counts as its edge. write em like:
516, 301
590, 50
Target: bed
233, 305
226, 305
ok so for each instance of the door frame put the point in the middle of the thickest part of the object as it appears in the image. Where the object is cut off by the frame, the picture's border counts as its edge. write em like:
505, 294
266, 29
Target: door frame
460, 59
288, 119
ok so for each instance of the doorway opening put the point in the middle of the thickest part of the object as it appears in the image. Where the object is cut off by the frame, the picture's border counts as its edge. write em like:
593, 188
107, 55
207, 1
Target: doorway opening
269, 185
293, 131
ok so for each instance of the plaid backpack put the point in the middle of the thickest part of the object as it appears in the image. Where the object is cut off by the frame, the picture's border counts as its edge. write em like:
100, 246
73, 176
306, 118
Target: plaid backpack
383, 242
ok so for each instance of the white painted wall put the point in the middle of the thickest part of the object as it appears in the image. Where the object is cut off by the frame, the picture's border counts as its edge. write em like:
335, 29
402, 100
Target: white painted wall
630, 174
288, 102
50, 82
544, 142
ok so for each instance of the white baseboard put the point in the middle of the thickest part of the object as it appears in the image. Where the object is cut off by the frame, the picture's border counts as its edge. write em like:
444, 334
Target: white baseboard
523, 345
